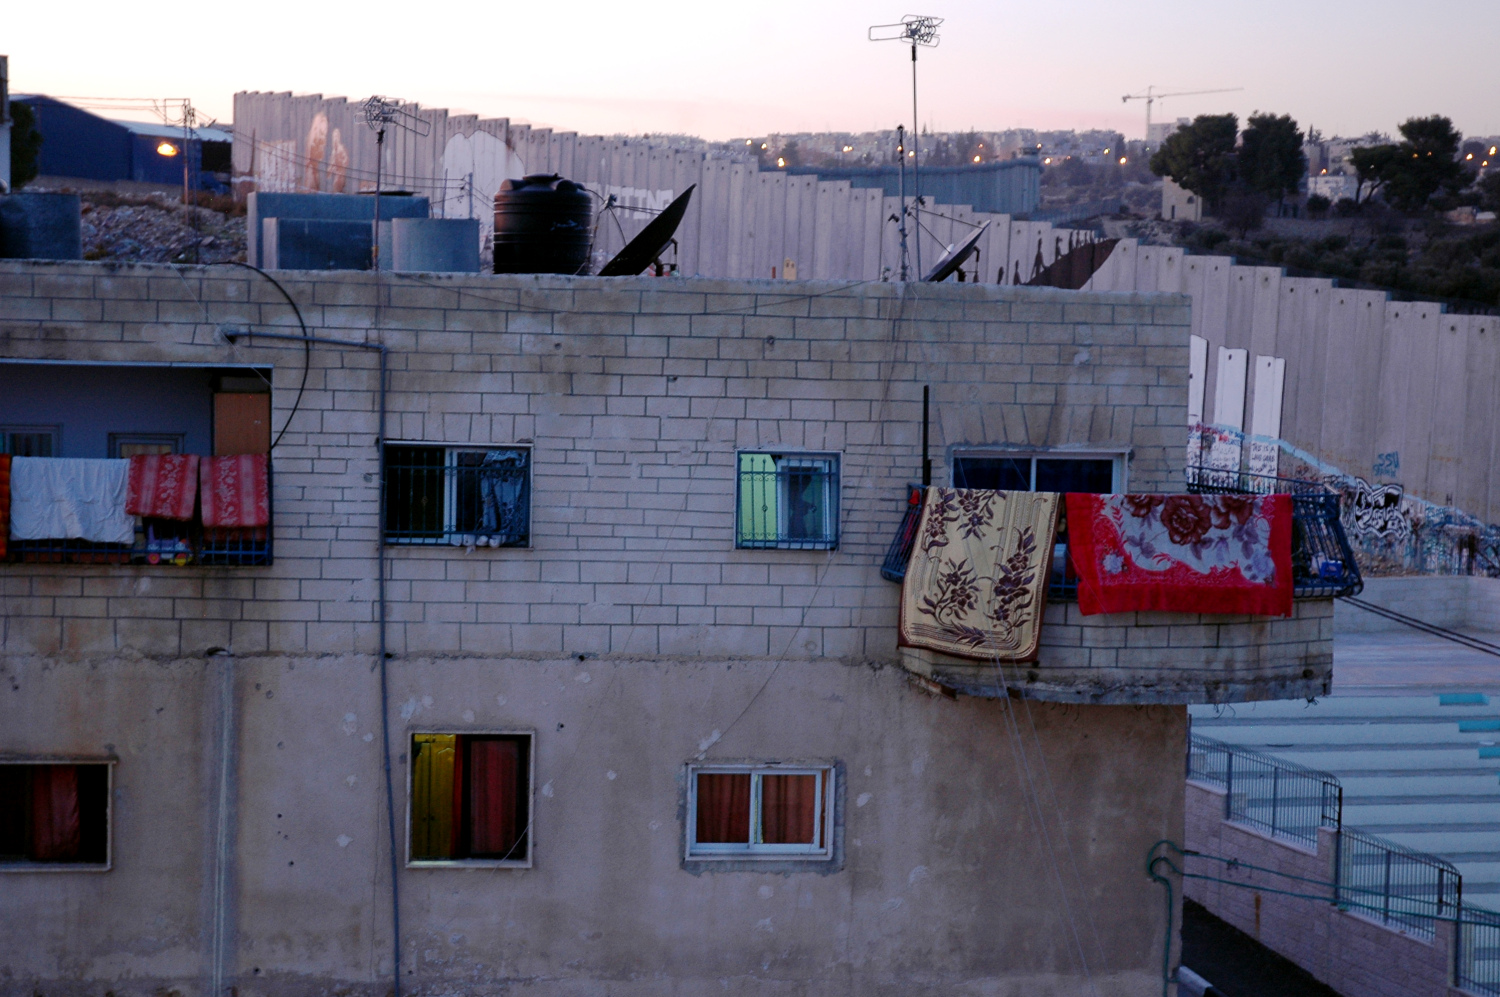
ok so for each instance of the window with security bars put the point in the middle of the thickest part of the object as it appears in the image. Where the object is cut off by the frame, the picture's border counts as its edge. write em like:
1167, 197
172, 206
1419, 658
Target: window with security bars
471, 798
54, 814
772, 811
788, 501
28, 441
460, 496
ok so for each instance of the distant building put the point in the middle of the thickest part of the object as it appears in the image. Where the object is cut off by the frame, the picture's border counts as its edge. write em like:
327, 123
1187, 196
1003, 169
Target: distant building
1178, 204
1334, 186
81, 145
1157, 131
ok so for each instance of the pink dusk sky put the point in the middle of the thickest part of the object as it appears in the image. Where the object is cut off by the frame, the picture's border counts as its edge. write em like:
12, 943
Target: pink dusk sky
722, 70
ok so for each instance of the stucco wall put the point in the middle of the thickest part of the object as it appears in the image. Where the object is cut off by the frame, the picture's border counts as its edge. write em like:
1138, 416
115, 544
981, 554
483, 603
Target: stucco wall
981, 842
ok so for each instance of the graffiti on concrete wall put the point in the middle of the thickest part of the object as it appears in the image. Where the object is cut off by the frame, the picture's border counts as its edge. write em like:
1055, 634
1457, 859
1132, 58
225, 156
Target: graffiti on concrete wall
1387, 464
1374, 511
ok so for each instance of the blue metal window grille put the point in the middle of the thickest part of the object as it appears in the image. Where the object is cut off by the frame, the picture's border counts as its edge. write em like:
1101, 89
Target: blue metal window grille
460, 497
787, 501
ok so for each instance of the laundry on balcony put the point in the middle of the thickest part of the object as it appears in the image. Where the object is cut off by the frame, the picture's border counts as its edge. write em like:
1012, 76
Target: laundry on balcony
235, 491
976, 583
163, 485
1182, 553
70, 498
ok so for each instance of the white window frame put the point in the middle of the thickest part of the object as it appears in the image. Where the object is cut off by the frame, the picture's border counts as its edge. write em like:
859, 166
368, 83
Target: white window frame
1120, 460
411, 777
109, 814
450, 495
827, 793
830, 461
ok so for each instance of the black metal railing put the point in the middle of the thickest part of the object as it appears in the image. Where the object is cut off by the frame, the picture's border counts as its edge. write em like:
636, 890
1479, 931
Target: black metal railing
465, 498
1323, 562
898, 555
791, 504
1276, 796
1397, 886
1477, 962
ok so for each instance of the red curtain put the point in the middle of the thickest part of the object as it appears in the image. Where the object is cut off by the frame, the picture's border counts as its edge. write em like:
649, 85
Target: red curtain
460, 750
494, 780
723, 807
788, 809
4, 503
56, 832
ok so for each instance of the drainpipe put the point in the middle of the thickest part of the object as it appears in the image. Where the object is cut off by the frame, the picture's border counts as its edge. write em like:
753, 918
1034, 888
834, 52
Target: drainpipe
380, 618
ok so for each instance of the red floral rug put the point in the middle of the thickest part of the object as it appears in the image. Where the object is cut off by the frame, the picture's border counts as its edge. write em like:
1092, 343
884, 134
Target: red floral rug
1182, 553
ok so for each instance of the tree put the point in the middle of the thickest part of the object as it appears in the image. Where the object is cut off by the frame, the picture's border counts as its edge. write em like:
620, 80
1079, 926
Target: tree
790, 155
1243, 209
1425, 163
1318, 205
1271, 159
1489, 191
1200, 157
25, 144
1372, 166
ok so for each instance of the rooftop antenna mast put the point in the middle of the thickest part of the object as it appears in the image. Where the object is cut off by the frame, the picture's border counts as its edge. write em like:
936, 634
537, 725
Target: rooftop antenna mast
1150, 96
380, 114
917, 31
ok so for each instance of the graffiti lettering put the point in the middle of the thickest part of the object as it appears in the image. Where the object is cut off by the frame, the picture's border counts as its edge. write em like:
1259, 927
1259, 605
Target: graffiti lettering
1375, 511
1387, 464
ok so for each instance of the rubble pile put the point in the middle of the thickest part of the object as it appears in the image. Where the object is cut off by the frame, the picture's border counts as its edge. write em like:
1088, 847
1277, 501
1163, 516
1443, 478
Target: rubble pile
156, 229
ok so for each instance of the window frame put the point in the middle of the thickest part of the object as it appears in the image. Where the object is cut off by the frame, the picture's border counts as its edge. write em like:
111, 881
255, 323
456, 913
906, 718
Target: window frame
529, 860
109, 764
117, 440
752, 851
833, 508
450, 495
24, 429
1119, 458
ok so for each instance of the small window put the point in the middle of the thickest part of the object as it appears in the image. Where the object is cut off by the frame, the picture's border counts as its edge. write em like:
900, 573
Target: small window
54, 815
144, 444
760, 811
471, 799
788, 501
465, 497
1098, 473
29, 441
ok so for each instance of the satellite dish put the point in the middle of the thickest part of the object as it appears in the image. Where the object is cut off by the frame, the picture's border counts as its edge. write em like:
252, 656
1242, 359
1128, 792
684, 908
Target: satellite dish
653, 239
955, 256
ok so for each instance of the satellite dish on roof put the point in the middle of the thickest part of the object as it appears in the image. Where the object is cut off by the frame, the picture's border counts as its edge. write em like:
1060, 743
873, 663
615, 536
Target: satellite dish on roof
652, 240
955, 256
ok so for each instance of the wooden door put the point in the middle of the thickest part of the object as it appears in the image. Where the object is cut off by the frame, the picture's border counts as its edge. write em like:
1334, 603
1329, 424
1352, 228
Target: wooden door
242, 423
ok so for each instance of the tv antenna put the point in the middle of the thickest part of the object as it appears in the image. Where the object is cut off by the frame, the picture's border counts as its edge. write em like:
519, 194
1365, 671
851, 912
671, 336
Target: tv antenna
918, 31
1150, 96
380, 114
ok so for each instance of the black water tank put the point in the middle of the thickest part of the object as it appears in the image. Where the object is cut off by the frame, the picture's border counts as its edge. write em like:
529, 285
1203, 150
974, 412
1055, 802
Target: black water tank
543, 224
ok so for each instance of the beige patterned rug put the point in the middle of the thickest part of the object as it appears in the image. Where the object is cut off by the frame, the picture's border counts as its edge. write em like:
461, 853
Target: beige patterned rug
977, 581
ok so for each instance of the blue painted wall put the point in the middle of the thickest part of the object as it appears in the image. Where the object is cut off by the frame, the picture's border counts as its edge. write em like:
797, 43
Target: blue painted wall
1011, 187
76, 143
89, 403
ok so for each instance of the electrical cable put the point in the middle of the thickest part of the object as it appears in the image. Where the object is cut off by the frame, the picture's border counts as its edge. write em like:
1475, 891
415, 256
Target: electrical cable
1473, 643
306, 342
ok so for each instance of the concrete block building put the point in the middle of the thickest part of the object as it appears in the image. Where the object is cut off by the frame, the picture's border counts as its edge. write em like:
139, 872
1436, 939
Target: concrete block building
565, 664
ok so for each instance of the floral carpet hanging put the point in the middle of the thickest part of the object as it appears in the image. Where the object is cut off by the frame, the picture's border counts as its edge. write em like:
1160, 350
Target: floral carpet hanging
1182, 553
977, 580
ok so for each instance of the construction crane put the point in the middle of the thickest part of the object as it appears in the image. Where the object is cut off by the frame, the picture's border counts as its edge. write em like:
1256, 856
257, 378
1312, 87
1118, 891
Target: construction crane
1150, 96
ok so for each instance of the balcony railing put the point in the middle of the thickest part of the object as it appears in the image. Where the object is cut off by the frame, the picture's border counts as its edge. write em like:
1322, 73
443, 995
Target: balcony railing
1323, 563
1401, 887
1275, 796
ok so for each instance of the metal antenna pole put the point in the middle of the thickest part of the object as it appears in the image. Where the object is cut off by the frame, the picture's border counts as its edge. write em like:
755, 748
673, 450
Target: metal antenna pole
915, 30
381, 112
901, 160
379, 160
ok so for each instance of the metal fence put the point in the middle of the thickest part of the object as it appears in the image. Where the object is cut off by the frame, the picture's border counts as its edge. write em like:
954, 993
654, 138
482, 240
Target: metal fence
460, 498
1323, 563
1397, 886
1477, 965
1276, 796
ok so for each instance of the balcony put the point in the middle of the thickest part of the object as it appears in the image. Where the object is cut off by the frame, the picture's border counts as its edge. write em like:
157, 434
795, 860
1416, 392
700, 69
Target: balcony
1167, 657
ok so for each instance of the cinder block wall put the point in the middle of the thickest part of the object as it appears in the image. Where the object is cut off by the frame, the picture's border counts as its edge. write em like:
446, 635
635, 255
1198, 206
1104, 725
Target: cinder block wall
636, 393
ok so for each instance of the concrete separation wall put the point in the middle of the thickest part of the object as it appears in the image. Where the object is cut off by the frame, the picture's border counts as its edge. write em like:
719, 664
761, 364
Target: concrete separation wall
1458, 602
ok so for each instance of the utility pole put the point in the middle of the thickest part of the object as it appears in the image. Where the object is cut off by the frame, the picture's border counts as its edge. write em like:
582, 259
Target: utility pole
380, 112
901, 161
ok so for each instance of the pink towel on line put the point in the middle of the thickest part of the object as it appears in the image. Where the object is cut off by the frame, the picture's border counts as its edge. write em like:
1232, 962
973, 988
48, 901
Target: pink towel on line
236, 490
164, 486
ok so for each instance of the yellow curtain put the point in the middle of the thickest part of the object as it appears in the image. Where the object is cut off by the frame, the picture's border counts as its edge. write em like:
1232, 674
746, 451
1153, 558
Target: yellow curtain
433, 758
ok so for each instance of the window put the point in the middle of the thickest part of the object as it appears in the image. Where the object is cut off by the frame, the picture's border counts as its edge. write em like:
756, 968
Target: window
54, 814
471, 799
788, 501
772, 811
144, 444
463, 496
28, 441
1039, 472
